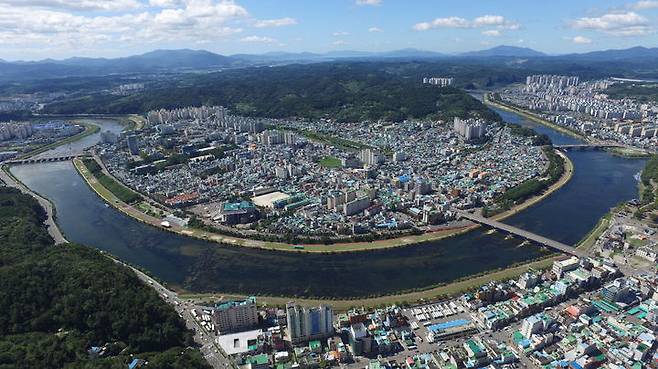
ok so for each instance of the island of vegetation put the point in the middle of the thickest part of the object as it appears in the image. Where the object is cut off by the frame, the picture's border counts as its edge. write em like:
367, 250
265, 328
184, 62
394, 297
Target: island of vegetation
64, 304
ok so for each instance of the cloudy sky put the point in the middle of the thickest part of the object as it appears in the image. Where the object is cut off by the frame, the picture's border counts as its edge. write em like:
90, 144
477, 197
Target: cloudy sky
37, 29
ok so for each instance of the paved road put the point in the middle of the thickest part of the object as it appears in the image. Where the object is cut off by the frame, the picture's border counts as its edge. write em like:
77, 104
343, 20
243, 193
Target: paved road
53, 230
208, 346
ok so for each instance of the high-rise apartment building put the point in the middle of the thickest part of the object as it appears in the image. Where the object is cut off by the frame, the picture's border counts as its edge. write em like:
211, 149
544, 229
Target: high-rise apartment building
234, 316
470, 129
308, 323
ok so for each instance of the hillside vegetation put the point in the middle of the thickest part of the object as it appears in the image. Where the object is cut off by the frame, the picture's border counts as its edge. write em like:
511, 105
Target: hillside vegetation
58, 301
344, 91
639, 92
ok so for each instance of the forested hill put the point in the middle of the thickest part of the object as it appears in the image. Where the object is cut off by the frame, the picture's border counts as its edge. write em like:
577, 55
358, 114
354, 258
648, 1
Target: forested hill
344, 91
58, 301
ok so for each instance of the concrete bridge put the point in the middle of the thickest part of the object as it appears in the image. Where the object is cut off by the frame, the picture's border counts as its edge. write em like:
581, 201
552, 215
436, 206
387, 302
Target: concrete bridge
587, 146
41, 160
547, 242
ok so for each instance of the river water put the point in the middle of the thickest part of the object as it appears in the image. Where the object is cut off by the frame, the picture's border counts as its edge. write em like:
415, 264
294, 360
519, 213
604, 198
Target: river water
600, 182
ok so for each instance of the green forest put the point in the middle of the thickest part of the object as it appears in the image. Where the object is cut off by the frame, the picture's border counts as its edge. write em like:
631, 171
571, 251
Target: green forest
649, 195
58, 301
639, 92
344, 91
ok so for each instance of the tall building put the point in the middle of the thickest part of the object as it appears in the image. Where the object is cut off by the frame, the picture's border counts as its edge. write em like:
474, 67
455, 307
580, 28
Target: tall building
544, 81
439, 81
234, 316
370, 157
470, 129
133, 144
309, 323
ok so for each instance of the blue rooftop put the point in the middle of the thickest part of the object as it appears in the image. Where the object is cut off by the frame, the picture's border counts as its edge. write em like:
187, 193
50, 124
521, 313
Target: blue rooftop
134, 363
447, 325
233, 206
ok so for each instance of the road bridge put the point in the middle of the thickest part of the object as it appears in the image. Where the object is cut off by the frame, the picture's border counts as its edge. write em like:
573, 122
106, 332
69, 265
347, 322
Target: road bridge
41, 160
547, 242
587, 146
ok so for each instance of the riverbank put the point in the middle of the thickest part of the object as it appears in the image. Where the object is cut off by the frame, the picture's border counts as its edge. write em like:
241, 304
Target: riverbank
533, 117
625, 152
89, 130
51, 225
431, 294
402, 241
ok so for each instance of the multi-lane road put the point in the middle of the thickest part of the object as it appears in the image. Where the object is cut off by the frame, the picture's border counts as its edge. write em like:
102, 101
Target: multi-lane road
208, 346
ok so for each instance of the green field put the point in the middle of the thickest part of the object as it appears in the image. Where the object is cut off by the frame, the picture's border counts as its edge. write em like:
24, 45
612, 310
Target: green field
122, 192
330, 162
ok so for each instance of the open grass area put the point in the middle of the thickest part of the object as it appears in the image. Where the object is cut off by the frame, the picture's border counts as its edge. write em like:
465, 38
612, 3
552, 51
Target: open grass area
330, 162
121, 192
629, 152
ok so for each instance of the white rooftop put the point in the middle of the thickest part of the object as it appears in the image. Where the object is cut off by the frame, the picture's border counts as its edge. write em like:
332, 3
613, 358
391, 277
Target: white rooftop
237, 343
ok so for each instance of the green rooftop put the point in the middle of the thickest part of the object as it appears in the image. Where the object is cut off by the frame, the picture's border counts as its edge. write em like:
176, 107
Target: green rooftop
261, 359
230, 304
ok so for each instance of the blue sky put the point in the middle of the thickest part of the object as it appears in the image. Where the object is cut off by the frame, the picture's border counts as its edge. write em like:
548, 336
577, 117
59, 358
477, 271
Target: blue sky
35, 29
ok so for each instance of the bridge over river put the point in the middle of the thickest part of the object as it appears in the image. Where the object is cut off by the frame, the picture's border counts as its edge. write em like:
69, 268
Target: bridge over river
521, 233
587, 146
41, 160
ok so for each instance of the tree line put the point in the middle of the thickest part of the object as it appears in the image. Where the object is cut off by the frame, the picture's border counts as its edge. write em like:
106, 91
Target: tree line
59, 301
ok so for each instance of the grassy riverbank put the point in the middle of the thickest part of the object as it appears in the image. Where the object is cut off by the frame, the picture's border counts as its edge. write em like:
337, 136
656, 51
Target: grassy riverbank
121, 192
439, 292
89, 130
533, 117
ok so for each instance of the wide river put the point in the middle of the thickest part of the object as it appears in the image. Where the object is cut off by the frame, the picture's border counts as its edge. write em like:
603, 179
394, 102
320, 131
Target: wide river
600, 182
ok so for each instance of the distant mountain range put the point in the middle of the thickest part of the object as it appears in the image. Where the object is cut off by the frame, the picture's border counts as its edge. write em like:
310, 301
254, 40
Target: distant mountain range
186, 59
506, 51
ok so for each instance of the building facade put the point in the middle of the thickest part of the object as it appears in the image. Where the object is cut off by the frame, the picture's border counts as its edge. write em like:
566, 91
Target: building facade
234, 316
308, 323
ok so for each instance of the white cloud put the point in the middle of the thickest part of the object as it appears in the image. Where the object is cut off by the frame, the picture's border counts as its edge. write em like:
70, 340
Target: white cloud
581, 40
265, 23
423, 26
645, 4
616, 24
375, 29
497, 21
34, 28
368, 2
165, 3
339, 43
258, 39
492, 33
340, 34
76, 5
